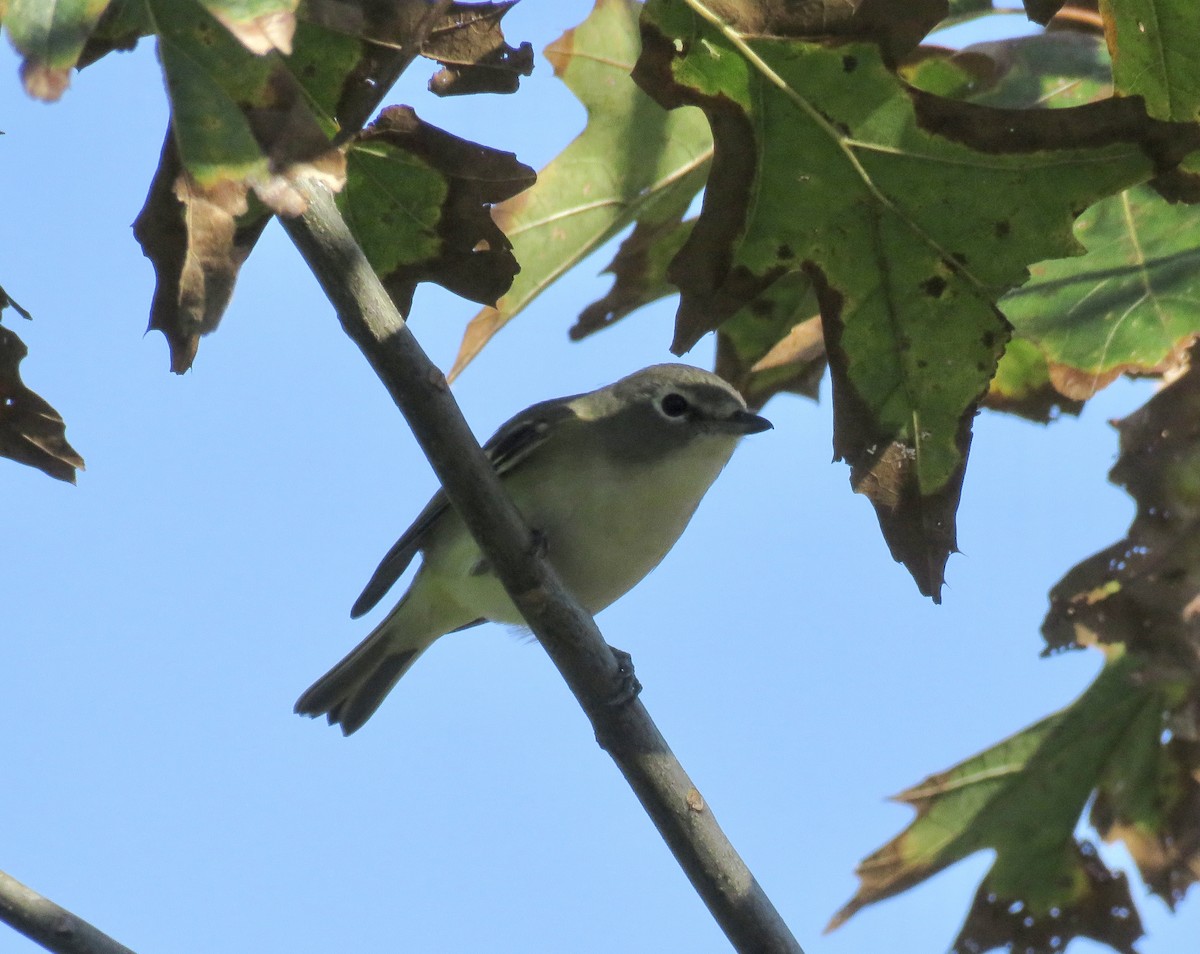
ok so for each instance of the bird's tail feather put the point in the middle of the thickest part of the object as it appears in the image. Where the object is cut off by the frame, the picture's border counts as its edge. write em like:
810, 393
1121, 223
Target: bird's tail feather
352, 690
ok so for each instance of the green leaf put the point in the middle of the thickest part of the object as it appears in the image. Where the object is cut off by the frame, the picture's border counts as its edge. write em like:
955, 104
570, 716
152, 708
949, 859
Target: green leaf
1129, 304
50, 35
211, 80
771, 345
1048, 70
241, 119
633, 162
243, 127
1154, 54
323, 64
1148, 801
124, 23
392, 202
1133, 300
417, 200
1023, 798
911, 213
1128, 743
943, 72
1023, 385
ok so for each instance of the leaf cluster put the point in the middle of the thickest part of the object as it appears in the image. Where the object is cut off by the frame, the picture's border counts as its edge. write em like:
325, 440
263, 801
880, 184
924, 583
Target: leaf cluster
1009, 226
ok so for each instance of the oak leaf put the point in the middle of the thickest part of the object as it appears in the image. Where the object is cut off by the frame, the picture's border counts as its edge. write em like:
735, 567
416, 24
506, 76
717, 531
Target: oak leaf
910, 213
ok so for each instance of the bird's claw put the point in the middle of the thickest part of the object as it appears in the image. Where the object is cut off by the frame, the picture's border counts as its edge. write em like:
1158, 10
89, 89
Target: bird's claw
627, 687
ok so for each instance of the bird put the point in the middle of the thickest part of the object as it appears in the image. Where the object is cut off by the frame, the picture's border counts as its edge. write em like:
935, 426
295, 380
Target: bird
607, 481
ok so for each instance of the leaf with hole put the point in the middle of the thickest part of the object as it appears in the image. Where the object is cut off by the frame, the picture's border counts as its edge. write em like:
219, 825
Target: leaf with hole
911, 213
1023, 798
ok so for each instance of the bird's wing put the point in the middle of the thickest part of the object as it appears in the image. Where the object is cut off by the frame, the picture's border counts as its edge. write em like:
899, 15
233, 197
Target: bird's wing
397, 559
507, 448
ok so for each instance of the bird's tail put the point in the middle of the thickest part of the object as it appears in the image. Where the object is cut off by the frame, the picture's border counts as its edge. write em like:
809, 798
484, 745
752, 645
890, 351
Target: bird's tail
352, 690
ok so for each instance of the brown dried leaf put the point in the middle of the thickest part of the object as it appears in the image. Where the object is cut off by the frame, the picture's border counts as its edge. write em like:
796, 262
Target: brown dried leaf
800, 346
259, 31
1143, 594
1154, 813
918, 525
896, 25
1105, 912
1042, 11
1076, 385
31, 431
196, 243
43, 82
474, 55
1142, 591
775, 343
241, 123
474, 258
389, 33
639, 273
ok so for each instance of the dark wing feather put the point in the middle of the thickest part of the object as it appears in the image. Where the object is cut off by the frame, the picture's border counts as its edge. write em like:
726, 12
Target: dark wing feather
518, 437
509, 446
397, 559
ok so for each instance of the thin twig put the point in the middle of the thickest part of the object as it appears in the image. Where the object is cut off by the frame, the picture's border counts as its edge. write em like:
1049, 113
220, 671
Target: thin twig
51, 926
354, 115
566, 631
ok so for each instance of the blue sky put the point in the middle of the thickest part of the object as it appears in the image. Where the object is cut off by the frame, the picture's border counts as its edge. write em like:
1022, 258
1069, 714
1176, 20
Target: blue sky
161, 617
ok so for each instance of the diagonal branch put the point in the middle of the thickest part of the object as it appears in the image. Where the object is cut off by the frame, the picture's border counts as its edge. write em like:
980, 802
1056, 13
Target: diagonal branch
624, 729
51, 926
354, 114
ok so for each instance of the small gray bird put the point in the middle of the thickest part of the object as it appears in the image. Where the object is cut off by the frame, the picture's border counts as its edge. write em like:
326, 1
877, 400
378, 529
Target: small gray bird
607, 479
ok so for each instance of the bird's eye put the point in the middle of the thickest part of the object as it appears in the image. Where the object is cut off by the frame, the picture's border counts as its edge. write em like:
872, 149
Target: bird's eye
674, 405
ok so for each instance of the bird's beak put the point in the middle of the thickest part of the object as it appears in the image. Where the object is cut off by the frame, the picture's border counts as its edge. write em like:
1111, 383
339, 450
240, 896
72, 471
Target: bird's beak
747, 422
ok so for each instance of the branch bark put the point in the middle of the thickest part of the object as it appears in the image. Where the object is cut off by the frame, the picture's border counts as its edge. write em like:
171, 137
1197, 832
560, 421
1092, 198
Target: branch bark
53, 927
624, 729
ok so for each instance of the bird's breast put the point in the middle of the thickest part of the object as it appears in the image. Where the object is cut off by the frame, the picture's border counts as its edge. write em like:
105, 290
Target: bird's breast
620, 520
605, 524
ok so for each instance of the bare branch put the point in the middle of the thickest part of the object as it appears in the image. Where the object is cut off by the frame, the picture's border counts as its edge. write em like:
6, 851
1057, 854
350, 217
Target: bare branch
567, 632
51, 926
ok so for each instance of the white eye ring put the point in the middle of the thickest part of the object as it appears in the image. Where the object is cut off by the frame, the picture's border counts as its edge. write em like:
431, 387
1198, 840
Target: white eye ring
674, 404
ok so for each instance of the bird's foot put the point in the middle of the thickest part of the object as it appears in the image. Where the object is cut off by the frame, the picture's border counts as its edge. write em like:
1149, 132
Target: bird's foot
627, 687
